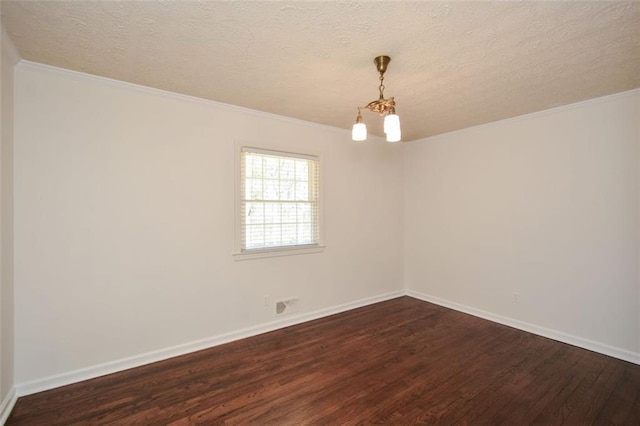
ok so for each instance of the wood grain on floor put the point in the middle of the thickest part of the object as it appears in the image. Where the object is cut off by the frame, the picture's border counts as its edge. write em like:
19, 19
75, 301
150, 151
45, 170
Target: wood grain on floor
396, 362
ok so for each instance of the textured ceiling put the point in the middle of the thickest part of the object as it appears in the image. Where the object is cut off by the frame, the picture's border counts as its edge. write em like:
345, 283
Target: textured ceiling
454, 64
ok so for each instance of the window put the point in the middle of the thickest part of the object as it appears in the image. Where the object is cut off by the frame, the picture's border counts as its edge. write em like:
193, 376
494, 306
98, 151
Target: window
279, 201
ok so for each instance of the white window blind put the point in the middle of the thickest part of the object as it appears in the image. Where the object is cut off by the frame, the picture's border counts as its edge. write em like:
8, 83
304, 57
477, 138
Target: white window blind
279, 200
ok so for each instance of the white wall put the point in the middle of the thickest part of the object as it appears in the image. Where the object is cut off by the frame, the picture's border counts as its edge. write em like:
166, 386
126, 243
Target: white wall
9, 58
124, 221
124, 213
546, 206
638, 158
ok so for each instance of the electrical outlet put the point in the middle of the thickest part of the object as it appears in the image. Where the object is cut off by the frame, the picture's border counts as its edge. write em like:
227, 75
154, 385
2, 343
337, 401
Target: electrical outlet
515, 298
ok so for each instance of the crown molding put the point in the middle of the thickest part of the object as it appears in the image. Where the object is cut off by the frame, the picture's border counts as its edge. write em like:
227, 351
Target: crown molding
532, 115
39, 67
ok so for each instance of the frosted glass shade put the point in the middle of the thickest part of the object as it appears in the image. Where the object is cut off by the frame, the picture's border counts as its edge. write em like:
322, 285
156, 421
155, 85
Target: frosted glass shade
391, 123
392, 128
359, 132
394, 137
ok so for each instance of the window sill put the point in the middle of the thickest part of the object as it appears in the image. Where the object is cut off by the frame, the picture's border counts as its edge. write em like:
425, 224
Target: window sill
276, 252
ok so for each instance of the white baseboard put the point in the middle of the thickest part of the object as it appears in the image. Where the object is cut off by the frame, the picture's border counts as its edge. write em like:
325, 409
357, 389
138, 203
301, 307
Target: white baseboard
39, 385
580, 342
7, 405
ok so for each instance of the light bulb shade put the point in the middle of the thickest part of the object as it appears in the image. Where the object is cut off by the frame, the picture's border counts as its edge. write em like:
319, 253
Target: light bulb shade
359, 132
392, 128
394, 137
391, 124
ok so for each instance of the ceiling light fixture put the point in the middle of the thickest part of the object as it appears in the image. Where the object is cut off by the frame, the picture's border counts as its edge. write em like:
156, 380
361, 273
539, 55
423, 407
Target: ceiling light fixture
382, 106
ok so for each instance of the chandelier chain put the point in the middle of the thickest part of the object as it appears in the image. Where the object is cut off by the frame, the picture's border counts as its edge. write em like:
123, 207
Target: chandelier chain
381, 87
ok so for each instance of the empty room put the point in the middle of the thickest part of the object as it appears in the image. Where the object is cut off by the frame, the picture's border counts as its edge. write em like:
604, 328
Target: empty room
319, 212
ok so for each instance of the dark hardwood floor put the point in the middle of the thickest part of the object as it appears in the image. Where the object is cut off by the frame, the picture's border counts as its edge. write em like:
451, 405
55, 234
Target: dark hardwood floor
396, 362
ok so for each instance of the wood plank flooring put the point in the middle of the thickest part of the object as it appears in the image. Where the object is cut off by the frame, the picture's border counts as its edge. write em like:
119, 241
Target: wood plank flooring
396, 362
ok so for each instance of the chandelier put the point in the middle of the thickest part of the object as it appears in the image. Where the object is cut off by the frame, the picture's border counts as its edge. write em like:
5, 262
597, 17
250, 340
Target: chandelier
385, 107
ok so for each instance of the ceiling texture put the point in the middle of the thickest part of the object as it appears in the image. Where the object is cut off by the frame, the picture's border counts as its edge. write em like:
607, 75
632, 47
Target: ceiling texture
453, 64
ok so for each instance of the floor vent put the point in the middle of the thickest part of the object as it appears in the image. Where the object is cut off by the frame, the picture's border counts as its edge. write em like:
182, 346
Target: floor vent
288, 306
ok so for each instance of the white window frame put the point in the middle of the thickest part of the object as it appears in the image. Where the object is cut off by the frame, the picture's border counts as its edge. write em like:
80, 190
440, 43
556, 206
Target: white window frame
238, 252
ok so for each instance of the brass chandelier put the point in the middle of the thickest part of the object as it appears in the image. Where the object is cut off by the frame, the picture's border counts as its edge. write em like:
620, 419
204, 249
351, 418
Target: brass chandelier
385, 107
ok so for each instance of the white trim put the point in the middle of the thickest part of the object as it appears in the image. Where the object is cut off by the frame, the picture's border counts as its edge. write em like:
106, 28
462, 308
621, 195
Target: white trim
193, 99
280, 251
554, 110
39, 385
7, 405
177, 96
580, 342
278, 154
287, 149
92, 372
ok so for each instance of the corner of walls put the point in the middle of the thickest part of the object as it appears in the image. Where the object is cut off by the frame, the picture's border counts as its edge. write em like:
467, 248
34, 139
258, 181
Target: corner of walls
405, 152
638, 239
7, 404
534, 222
9, 57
